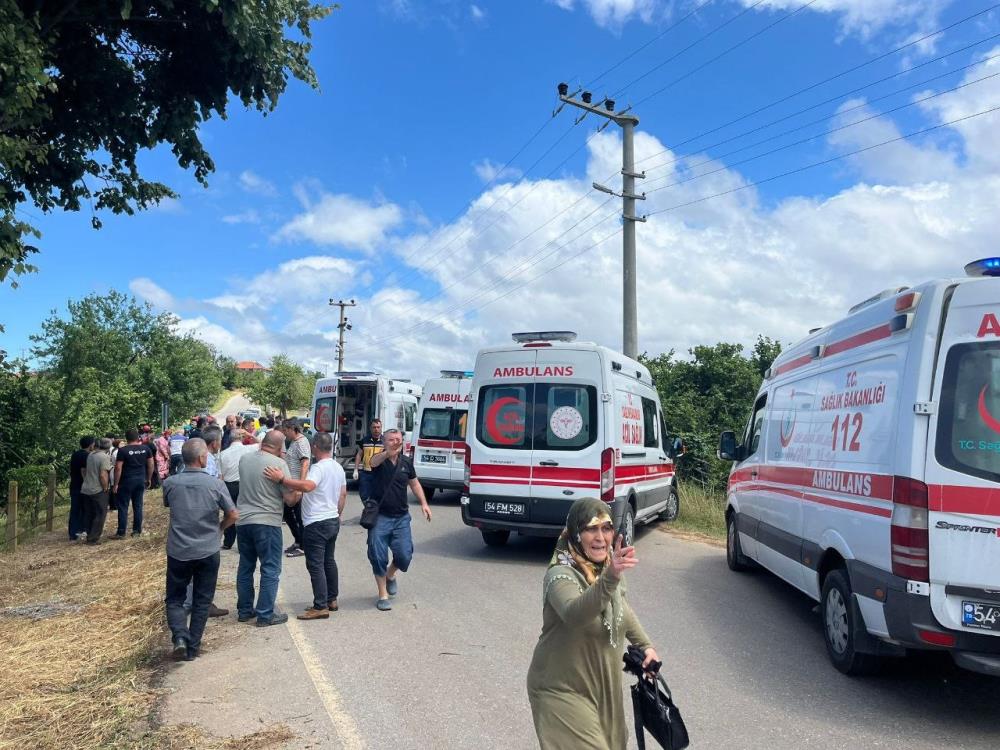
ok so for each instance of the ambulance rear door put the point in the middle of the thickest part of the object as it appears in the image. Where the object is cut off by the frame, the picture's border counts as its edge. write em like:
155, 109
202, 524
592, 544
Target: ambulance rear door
963, 463
567, 431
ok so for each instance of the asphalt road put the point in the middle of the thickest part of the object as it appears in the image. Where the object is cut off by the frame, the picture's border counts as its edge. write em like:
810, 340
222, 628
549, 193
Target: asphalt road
445, 669
234, 405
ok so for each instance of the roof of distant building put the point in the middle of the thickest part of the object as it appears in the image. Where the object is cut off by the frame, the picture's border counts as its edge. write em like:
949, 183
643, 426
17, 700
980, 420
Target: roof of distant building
249, 365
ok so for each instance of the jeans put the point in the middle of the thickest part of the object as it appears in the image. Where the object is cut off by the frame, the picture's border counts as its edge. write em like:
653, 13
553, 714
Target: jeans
390, 534
176, 463
203, 574
131, 489
319, 542
76, 514
96, 513
293, 517
229, 535
366, 484
257, 541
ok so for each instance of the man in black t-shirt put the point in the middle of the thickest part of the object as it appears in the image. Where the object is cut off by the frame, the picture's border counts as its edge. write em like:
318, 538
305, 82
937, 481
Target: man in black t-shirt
395, 474
133, 475
77, 470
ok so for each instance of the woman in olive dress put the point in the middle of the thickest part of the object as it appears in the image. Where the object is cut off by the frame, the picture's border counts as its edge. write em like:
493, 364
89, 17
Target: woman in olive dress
575, 678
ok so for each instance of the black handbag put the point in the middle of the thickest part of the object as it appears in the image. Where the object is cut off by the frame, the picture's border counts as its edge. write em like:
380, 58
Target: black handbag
653, 707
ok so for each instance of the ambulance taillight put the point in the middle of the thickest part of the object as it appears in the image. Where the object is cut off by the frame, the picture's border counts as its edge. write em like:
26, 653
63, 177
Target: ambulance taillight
909, 535
468, 469
607, 475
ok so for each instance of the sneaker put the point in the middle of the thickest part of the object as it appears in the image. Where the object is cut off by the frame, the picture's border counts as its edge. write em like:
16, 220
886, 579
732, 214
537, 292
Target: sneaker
214, 611
291, 548
246, 618
332, 605
294, 551
93, 542
383, 605
314, 614
227, 546
391, 586
135, 533
278, 618
118, 536
180, 648
192, 654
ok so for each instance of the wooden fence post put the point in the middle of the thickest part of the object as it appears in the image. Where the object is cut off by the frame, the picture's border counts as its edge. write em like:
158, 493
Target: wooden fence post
50, 501
11, 517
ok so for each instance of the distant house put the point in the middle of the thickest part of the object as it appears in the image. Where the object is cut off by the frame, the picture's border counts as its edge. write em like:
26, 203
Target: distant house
250, 366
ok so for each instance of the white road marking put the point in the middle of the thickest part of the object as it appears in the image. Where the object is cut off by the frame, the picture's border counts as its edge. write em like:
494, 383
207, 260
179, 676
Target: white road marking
347, 730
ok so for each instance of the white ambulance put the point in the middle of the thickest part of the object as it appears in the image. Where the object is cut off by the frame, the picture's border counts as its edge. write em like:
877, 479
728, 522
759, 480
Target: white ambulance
553, 420
346, 404
439, 446
868, 475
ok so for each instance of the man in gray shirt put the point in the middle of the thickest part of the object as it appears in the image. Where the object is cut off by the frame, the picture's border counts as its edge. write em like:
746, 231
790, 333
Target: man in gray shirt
195, 499
258, 532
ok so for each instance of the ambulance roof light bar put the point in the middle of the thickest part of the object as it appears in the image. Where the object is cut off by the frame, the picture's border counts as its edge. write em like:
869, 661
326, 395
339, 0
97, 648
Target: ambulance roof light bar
983, 267
527, 336
456, 373
884, 294
355, 374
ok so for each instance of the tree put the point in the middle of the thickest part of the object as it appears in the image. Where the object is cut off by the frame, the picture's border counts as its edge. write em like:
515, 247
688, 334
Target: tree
711, 392
286, 386
86, 84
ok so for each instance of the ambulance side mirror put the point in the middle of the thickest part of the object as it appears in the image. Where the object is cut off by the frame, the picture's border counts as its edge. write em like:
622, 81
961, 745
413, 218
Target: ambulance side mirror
727, 447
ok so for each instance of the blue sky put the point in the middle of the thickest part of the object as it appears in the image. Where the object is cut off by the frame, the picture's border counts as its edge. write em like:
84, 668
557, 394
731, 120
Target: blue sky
377, 187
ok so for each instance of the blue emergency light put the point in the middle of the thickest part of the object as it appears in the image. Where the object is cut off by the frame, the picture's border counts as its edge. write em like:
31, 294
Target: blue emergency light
983, 267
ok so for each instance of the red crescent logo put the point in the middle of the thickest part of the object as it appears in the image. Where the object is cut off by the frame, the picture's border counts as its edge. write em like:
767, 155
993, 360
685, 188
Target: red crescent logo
988, 419
493, 425
786, 440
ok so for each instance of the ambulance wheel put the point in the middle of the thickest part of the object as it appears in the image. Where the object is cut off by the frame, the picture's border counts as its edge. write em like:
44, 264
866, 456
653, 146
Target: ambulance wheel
496, 538
735, 558
628, 522
428, 491
839, 625
673, 508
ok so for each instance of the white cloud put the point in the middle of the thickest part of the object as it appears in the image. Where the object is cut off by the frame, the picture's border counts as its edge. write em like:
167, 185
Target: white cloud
726, 269
151, 292
866, 17
341, 220
488, 171
254, 183
250, 216
477, 13
614, 14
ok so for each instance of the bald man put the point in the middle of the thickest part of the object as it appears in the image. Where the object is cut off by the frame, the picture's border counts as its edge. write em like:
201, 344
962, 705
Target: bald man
258, 531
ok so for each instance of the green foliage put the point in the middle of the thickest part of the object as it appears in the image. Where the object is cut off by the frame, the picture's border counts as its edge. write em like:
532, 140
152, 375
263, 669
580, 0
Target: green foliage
286, 386
86, 84
711, 392
105, 367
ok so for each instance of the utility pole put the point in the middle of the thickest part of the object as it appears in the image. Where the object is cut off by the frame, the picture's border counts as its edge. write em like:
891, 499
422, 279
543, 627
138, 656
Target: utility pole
342, 326
606, 109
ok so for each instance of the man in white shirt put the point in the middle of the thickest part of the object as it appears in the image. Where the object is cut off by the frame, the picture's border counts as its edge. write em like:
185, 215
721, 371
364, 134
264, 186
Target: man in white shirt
325, 493
229, 465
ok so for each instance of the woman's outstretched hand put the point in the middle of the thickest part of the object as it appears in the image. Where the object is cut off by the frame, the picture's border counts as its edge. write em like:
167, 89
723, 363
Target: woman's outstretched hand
621, 559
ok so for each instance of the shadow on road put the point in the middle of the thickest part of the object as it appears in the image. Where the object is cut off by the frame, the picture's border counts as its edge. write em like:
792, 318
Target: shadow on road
779, 631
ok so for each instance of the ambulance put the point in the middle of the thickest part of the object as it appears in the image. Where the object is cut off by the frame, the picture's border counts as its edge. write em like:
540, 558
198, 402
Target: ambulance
868, 475
346, 404
439, 447
553, 420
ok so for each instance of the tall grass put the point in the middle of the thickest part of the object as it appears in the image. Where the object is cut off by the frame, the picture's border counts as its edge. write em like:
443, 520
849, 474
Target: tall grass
702, 510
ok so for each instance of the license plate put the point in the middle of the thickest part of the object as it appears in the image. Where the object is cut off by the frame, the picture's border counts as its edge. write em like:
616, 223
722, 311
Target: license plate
431, 458
981, 616
507, 510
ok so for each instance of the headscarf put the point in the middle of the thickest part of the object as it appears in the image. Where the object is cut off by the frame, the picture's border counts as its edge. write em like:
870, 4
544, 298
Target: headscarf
571, 563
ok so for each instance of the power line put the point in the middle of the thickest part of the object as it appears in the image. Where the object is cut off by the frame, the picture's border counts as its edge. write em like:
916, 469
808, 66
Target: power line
834, 77
845, 94
726, 51
824, 161
812, 137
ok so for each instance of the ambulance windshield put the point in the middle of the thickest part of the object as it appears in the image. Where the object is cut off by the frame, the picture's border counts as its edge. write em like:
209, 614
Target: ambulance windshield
968, 437
443, 424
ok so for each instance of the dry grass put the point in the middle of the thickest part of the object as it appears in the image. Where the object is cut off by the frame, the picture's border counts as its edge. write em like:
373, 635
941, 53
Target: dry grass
82, 634
702, 511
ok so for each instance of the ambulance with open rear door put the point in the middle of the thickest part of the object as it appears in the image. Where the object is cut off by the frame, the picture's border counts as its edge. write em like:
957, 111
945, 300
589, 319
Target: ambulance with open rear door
439, 445
552, 420
868, 475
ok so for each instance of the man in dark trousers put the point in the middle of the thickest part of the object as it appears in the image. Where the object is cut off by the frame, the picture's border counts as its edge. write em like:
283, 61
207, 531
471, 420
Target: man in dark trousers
133, 475
77, 472
195, 499
370, 445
